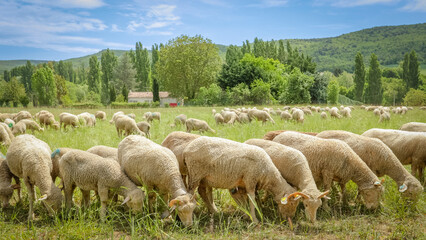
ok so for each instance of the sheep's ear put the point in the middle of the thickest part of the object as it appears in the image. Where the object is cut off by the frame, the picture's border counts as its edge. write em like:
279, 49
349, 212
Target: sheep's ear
42, 198
403, 188
126, 200
284, 200
324, 195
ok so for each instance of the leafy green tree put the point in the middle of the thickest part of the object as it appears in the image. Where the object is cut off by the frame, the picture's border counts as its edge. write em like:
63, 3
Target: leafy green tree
112, 93
6, 76
260, 92
374, 92
27, 73
415, 97
61, 88
259, 48
406, 70
124, 73
108, 63
393, 90
82, 74
187, 63
297, 88
125, 93
155, 85
318, 90
94, 76
209, 95
12, 91
240, 95
359, 76
141, 62
390, 73
246, 47
282, 54
413, 80
333, 92
44, 86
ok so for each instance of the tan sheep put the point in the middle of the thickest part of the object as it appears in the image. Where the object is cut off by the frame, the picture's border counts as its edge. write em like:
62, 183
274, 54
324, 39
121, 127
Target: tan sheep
323, 115
101, 115
156, 167
4, 135
244, 118
6, 187
298, 115
219, 118
272, 134
384, 117
229, 117
29, 158
260, 115
346, 112
9, 122
180, 119
144, 127
92, 172
19, 128
31, 125
4, 116
334, 113
222, 163
285, 115
193, 124
131, 115
414, 127
115, 116
380, 159
333, 160
294, 168
46, 119
128, 125
68, 119
56, 156
87, 119
408, 147
22, 115
155, 115
104, 151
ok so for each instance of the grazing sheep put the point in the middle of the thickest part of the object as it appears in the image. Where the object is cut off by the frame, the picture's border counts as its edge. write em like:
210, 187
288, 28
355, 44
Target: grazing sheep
131, 115
104, 151
333, 160
22, 115
244, 118
19, 128
180, 119
6, 187
414, 127
385, 116
144, 127
68, 119
229, 117
56, 156
4, 134
9, 122
294, 168
260, 115
193, 124
285, 115
298, 115
404, 110
29, 158
46, 119
380, 159
272, 134
87, 119
92, 172
408, 147
156, 167
4, 116
222, 163
31, 125
323, 115
115, 116
101, 115
152, 116
213, 111
128, 125
334, 112
306, 111
376, 112
219, 118
346, 112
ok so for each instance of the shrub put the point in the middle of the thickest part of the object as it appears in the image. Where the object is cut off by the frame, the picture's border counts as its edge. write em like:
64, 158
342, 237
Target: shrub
333, 92
415, 97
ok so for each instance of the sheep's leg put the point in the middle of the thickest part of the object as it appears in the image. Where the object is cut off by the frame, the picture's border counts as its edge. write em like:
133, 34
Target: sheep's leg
192, 183
86, 197
343, 197
252, 199
19, 189
327, 181
208, 200
31, 193
103, 195
68, 190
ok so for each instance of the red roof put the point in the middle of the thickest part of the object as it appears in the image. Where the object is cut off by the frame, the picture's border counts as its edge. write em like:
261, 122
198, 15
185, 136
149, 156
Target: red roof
147, 94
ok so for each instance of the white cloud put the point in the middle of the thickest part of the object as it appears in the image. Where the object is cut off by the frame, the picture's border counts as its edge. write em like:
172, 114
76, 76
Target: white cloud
353, 3
68, 3
416, 5
155, 17
114, 28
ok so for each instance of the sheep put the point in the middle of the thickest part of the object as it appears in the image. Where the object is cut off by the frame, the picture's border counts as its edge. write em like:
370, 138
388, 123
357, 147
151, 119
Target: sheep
32, 125
148, 163
380, 159
334, 112
6, 187
87, 119
385, 116
128, 125
4, 135
68, 119
115, 116
101, 115
29, 158
193, 124
213, 111
92, 172
285, 115
333, 160
4, 116
404, 110
152, 116
272, 134
22, 115
346, 112
408, 147
9, 122
104, 151
229, 117
46, 119
323, 115
260, 115
294, 168
19, 128
56, 155
298, 115
131, 115
147, 115
180, 119
376, 112
219, 118
144, 127
306, 111
244, 118
222, 163
414, 127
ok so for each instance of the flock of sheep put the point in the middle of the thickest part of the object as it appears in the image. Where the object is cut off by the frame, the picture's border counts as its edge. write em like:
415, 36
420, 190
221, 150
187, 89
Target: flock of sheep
290, 167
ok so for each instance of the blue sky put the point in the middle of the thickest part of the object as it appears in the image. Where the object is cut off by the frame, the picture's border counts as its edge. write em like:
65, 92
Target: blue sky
62, 29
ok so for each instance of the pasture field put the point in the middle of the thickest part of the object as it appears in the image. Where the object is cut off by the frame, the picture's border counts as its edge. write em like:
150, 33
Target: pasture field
396, 219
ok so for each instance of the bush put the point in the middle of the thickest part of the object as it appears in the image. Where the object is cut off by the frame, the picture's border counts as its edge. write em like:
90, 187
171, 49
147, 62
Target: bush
155, 104
130, 105
333, 92
240, 94
260, 92
208, 95
24, 100
415, 97
87, 105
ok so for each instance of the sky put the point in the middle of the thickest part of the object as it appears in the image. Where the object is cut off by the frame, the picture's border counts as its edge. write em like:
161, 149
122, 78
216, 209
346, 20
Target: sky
63, 29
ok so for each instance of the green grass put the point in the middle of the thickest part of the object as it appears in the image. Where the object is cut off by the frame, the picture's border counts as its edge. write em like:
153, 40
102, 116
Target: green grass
396, 219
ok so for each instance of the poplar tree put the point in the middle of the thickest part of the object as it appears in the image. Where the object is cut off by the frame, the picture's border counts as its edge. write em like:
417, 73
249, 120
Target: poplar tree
359, 76
374, 92
155, 86
108, 63
94, 77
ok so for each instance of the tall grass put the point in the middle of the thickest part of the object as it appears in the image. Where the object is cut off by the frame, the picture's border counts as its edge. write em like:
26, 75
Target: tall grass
395, 219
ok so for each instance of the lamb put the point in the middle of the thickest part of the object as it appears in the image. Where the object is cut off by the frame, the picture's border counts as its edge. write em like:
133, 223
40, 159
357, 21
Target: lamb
260, 115
323, 115
331, 159
22, 115
104, 151
385, 116
272, 134
29, 158
193, 124
87, 119
294, 168
229, 117
298, 115
346, 112
128, 125
152, 116
6, 187
219, 118
380, 159
92, 172
19, 128
32, 125
115, 116
68, 119
144, 127
414, 127
156, 167
180, 119
334, 112
56, 156
408, 147
285, 115
101, 115
222, 163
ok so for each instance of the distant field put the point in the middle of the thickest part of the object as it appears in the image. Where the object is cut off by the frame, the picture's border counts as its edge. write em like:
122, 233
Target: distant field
396, 219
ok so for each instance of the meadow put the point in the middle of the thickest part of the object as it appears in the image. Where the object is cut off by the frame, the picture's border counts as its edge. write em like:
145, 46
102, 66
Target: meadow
396, 219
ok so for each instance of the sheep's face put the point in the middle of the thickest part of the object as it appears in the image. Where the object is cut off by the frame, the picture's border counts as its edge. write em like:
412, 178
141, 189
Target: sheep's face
55, 199
288, 205
136, 198
311, 207
372, 196
5, 195
411, 189
185, 206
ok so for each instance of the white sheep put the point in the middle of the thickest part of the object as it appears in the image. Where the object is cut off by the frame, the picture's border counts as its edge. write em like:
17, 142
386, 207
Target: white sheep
298, 115
56, 155
88, 171
180, 119
4, 116
68, 119
9, 122
114, 117
155, 115
260, 115
334, 112
385, 116
414, 127
380, 159
87, 119
229, 117
323, 115
193, 124
104, 151
144, 127
19, 128
346, 112
31, 125
128, 125
219, 118
333, 160
5, 136
156, 167
285, 115
6, 187
22, 115
29, 158
101, 115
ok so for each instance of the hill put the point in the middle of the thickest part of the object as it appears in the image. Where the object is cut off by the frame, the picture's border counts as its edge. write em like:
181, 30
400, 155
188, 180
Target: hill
9, 64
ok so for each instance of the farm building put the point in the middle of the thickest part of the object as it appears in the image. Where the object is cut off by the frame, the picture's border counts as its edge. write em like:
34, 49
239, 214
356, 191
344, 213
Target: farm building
165, 97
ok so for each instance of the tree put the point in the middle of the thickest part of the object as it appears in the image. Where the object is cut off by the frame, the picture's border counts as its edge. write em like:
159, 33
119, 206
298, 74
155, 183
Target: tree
125, 92
333, 92
393, 90
405, 70
124, 73
359, 76
112, 93
61, 88
260, 92
141, 62
12, 91
374, 92
187, 63
318, 91
44, 86
27, 72
155, 86
94, 76
108, 63
413, 79
415, 97
297, 89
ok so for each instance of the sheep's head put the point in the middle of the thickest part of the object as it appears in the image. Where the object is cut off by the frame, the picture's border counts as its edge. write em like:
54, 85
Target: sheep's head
54, 199
411, 188
288, 204
6, 194
185, 206
372, 194
312, 204
134, 200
